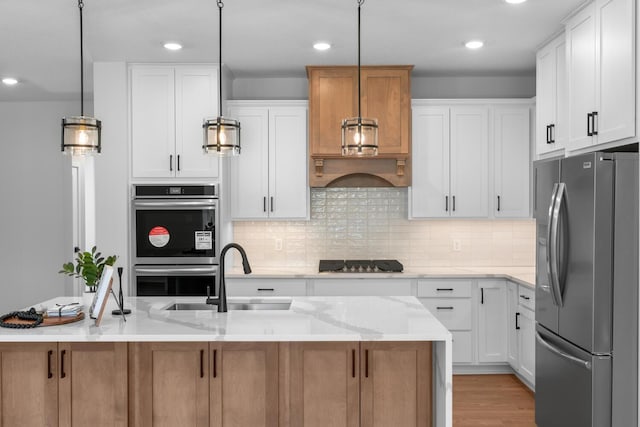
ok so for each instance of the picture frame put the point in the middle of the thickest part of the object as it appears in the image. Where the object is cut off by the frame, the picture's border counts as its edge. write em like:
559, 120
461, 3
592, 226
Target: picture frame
102, 294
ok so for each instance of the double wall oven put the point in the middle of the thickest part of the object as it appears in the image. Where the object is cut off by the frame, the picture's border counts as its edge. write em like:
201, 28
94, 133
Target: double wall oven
175, 239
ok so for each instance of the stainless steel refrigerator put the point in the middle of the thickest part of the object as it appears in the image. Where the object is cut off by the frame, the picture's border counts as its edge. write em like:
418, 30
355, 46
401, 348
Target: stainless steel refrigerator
586, 211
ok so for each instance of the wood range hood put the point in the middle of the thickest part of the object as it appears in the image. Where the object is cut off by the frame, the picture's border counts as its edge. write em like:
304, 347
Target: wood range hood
386, 96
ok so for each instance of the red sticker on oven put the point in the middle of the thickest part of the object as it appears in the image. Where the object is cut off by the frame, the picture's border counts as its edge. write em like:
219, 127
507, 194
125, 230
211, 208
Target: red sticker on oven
159, 237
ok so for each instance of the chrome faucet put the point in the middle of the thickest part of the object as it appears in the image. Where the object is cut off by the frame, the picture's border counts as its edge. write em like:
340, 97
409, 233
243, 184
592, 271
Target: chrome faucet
221, 299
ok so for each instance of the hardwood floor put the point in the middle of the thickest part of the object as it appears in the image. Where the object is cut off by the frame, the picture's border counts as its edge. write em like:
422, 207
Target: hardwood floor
492, 401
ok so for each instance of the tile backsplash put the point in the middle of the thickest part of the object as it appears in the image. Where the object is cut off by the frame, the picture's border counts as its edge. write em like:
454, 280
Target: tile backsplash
371, 223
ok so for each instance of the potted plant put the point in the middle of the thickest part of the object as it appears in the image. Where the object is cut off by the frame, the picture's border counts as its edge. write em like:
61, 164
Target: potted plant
89, 266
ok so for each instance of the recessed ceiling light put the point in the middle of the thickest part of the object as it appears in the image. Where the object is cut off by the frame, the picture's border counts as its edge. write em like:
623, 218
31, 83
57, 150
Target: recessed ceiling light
321, 46
515, 1
474, 44
9, 81
172, 46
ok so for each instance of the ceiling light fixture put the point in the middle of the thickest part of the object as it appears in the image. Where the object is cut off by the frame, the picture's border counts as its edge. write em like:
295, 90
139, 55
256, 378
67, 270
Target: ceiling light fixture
359, 135
81, 134
515, 1
172, 46
474, 44
221, 135
10, 81
321, 46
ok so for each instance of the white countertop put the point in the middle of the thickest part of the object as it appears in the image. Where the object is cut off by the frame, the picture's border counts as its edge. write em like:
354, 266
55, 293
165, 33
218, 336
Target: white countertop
308, 319
522, 275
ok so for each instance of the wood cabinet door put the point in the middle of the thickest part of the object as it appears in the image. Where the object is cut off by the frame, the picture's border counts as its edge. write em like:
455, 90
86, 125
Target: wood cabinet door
28, 385
93, 384
396, 384
153, 122
333, 95
324, 384
386, 96
244, 384
169, 384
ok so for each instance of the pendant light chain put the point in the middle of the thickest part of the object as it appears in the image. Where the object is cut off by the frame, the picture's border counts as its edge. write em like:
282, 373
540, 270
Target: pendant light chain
220, 6
80, 6
360, 2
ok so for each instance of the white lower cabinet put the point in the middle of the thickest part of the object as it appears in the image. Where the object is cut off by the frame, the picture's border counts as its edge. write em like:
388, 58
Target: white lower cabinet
513, 315
492, 328
362, 286
527, 345
521, 336
450, 302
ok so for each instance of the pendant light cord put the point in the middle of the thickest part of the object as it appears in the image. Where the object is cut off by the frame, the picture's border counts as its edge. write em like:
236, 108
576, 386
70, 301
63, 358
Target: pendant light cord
360, 2
80, 6
220, 6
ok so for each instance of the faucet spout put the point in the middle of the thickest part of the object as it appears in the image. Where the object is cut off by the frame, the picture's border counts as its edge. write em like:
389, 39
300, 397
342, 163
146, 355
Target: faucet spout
221, 300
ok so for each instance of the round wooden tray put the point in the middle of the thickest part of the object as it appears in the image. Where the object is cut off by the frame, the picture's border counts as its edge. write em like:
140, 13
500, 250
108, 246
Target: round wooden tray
47, 321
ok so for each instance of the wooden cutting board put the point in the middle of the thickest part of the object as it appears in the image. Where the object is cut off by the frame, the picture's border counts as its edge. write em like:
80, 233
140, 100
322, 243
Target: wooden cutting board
47, 321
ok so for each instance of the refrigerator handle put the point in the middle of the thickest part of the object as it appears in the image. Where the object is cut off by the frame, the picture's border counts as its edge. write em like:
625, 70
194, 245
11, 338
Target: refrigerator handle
554, 244
582, 363
550, 246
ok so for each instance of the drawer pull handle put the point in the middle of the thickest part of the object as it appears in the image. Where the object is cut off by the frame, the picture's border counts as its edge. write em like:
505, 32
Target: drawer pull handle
266, 289
525, 297
444, 289
444, 308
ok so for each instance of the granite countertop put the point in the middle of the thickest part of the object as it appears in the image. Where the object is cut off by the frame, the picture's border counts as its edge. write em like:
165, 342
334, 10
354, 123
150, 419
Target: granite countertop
308, 319
522, 275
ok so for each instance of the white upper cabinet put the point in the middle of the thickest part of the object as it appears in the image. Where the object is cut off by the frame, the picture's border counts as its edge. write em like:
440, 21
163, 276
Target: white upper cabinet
450, 156
269, 178
601, 73
551, 97
168, 106
511, 161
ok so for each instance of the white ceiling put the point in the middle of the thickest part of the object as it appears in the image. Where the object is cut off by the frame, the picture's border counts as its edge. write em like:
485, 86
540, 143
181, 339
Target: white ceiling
39, 39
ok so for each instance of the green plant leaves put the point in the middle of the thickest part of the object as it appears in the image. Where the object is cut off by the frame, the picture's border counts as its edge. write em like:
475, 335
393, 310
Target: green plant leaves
89, 266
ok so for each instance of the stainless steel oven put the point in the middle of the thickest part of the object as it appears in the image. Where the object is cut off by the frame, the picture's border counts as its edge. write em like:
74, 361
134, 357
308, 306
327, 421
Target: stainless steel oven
174, 280
175, 224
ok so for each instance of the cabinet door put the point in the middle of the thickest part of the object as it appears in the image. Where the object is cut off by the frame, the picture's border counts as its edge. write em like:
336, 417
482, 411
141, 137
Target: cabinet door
244, 384
545, 97
527, 345
196, 99
492, 327
153, 122
362, 287
386, 97
169, 383
333, 96
615, 72
249, 171
469, 162
93, 384
430, 150
513, 325
325, 384
28, 384
581, 68
396, 384
288, 178
511, 162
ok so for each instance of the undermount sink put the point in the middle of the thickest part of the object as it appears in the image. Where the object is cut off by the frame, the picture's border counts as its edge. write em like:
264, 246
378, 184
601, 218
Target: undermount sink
231, 305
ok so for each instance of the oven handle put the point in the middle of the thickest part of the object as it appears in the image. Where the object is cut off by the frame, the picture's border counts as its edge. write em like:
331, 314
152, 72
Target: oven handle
176, 270
172, 204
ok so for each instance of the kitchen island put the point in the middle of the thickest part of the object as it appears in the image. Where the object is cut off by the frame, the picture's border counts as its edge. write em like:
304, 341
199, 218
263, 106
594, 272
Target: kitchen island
324, 361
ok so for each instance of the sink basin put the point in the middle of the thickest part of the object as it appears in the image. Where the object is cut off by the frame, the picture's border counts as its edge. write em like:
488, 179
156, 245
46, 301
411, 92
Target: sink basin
231, 305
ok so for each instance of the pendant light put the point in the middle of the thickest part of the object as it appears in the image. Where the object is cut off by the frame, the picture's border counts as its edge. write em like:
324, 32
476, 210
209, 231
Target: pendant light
81, 134
359, 135
221, 135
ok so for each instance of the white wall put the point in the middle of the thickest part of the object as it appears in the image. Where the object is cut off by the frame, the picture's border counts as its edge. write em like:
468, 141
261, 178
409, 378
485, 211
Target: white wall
519, 86
35, 200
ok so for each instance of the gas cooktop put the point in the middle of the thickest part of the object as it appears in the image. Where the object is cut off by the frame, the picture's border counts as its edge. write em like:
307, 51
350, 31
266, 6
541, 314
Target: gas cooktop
360, 266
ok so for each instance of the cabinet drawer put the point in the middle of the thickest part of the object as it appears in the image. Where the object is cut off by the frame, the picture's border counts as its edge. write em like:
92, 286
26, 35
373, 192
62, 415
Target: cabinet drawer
462, 347
365, 287
527, 297
266, 287
454, 314
444, 288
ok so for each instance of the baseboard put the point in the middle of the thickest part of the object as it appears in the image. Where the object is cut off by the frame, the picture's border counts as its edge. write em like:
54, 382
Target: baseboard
491, 369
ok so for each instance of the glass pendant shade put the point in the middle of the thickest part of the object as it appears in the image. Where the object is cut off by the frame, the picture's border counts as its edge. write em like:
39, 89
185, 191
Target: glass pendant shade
359, 137
81, 135
221, 137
